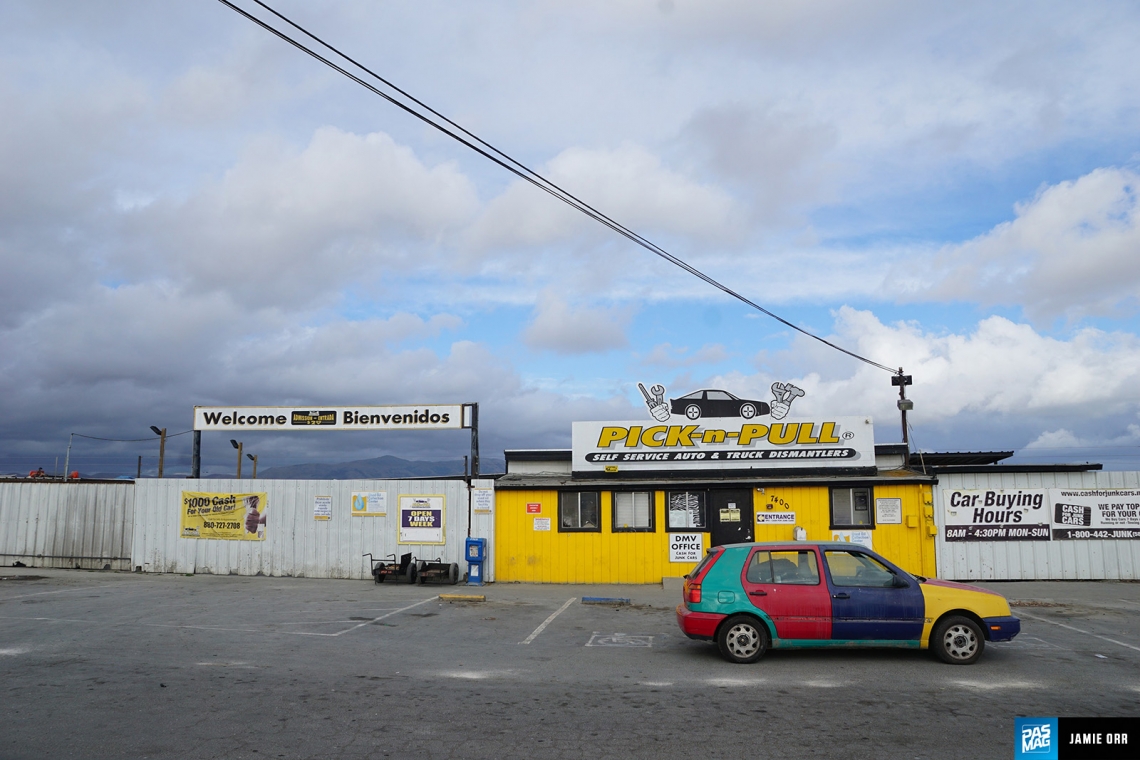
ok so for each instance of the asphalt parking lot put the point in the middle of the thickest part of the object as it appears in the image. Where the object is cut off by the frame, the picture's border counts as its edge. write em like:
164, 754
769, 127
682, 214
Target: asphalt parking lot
111, 665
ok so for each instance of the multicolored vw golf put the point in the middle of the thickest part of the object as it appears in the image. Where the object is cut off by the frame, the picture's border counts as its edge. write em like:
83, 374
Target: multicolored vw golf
752, 597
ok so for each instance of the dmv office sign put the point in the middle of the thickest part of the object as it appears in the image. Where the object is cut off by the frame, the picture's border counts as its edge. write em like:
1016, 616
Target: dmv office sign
418, 417
723, 443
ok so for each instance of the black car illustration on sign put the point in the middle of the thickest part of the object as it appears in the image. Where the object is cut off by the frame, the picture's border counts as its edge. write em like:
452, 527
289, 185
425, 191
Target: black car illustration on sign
712, 403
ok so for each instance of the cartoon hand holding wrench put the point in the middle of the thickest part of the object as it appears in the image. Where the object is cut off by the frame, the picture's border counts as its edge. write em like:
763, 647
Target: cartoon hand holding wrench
656, 402
784, 394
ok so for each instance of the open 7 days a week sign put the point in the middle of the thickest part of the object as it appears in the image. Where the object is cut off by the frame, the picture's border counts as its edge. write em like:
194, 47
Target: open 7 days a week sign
724, 443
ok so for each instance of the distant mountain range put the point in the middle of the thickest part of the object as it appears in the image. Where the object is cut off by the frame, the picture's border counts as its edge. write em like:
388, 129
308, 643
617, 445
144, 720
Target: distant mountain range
379, 468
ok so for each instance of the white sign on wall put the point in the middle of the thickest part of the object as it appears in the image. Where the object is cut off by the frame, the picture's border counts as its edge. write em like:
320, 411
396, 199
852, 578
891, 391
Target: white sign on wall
369, 503
861, 537
421, 519
996, 514
888, 511
1110, 513
322, 508
686, 547
542, 523
482, 500
775, 518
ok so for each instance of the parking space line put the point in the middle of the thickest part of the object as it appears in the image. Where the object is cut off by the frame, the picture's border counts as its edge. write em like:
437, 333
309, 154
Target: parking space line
366, 622
1078, 630
547, 622
66, 590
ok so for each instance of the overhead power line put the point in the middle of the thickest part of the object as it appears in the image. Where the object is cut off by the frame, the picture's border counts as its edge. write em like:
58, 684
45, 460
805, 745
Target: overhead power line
502, 159
127, 440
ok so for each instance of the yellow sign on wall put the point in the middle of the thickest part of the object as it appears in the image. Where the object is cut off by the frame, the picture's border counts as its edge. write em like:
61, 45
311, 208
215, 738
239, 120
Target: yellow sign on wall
227, 516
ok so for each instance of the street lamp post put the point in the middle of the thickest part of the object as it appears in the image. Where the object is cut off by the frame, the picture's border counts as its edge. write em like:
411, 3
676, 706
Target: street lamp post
253, 458
161, 447
237, 446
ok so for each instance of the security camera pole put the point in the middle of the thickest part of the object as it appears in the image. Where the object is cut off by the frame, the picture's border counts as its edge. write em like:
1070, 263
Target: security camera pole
161, 446
253, 458
904, 404
237, 446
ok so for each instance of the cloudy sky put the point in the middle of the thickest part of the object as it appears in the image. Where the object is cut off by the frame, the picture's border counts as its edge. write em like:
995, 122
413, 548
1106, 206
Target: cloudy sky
192, 212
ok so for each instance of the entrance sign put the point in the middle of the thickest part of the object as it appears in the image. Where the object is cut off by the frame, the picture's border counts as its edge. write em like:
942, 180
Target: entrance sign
723, 443
686, 547
227, 516
417, 417
421, 519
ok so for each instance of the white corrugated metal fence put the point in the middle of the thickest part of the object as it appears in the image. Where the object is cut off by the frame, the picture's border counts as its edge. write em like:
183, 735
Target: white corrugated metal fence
84, 525
1065, 559
295, 543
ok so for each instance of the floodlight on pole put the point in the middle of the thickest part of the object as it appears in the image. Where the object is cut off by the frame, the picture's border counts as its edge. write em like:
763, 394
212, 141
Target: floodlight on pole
161, 433
253, 458
237, 445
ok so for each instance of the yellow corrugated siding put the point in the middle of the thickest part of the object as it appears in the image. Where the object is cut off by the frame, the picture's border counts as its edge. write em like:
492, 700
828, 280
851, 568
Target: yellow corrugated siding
525, 555
911, 547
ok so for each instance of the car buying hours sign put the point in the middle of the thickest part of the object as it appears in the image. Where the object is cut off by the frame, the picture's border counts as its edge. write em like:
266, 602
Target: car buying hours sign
418, 417
421, 519
1041, 514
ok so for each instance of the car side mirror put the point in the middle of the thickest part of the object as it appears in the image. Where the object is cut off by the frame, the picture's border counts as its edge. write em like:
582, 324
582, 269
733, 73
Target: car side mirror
899, 583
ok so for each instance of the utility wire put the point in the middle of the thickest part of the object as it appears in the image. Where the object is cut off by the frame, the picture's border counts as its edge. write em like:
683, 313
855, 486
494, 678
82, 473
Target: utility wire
128, 440
517, 168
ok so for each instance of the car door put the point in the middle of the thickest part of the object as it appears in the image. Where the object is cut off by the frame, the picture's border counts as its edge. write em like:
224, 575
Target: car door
869, 600
786, 584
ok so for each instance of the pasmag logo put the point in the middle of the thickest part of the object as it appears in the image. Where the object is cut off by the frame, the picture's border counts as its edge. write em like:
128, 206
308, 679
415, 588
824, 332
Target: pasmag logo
1036, 738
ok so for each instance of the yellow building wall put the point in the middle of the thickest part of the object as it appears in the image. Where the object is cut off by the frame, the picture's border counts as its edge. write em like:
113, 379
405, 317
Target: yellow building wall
527, 555
523, 554
909, 545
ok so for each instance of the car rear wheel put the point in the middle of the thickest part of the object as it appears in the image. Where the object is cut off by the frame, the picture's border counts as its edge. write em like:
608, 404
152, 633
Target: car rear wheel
693, 412
742, 639
748, 411
957, 640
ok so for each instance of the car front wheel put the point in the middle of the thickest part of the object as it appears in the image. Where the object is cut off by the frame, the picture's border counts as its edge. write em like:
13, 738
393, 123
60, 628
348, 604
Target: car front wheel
742, 639
958, 641
748, 411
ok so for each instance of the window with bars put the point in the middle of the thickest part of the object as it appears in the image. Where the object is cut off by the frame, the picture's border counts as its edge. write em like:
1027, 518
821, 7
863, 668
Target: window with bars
851, 508
579, 511
685, 510
633, 511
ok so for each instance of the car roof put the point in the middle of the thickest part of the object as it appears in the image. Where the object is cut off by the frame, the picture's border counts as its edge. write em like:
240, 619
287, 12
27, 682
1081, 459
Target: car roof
792, 542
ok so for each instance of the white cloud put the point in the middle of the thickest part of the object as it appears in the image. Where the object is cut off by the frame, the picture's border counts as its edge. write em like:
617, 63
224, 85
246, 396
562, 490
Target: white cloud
288, 224
1073, 250
589, 329
1000, 375
629, 184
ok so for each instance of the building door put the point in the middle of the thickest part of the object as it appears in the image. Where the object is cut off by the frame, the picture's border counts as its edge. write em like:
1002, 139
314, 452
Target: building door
730, 517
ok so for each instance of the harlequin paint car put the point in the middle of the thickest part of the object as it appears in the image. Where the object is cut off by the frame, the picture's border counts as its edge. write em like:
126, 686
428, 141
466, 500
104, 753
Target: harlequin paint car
749, 598
713, 403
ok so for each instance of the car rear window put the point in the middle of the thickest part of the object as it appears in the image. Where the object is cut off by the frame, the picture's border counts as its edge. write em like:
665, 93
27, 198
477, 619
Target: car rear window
696, 571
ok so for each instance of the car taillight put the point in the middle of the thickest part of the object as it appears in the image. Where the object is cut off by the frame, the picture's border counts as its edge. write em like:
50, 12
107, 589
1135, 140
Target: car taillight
693, 593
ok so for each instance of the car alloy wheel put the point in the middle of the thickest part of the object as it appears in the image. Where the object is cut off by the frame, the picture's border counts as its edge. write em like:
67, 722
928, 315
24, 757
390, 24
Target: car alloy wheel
742, 639
693, 412
958, 641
